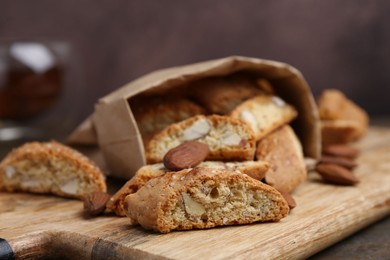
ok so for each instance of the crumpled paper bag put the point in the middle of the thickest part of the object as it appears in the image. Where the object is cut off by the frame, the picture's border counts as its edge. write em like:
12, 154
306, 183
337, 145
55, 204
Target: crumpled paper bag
113, 129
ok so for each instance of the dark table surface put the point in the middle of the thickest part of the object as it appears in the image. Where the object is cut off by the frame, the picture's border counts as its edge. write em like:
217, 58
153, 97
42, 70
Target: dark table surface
372, 242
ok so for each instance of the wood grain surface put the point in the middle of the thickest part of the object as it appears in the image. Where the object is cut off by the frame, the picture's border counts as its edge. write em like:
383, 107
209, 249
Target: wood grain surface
38, 226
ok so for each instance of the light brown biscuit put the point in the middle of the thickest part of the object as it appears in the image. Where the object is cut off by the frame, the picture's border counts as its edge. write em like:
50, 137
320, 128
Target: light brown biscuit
142, 176
153, 114
220, 95
50, 168
255, 169
342, 120
340, 131
228, 139
203, 198
283, 150
264, 113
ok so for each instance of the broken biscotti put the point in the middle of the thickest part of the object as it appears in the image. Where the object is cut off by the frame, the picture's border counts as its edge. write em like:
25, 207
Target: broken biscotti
264, 113
342, 121
228, 139
50, 168
203, 198
283, 151
255, 169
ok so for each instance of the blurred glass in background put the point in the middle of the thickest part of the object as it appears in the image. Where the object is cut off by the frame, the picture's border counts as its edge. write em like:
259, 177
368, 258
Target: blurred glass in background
39, 91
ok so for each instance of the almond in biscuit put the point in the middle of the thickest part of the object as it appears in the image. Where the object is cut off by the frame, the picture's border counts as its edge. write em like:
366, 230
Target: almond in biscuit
227, 138
187, 155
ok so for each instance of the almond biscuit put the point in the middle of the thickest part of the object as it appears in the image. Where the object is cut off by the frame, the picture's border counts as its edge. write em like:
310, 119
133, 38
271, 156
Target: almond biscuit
203, 198
50, 168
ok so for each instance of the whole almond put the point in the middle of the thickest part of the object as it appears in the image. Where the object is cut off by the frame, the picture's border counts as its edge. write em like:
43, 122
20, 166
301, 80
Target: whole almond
187, 155
336, 174
341, 150
289, 199
95, 202
341, 161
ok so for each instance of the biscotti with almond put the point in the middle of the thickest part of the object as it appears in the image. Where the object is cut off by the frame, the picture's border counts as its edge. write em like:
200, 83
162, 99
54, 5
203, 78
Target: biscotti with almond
153, 114
283, 151
255, 169
264, 113
228, 139
50, 167
342, 120
203, 198
220, 95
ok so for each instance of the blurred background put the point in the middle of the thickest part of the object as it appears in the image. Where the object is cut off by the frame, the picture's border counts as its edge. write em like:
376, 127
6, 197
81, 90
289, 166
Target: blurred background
335, 44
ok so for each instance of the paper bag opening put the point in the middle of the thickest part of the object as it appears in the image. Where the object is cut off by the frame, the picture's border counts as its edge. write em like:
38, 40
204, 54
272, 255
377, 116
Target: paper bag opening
116, 129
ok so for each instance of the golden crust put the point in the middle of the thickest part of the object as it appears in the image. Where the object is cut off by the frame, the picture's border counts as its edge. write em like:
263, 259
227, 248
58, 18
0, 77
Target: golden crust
203, 198
284, 152
44, 167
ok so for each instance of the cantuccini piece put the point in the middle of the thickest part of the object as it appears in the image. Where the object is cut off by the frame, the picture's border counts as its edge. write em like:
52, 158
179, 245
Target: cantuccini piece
264, 113
283, 151
228, 139
254, 169
203, 198
342, 121
50, 168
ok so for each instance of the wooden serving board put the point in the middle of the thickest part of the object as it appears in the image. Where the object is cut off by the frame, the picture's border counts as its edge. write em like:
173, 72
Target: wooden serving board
46, 226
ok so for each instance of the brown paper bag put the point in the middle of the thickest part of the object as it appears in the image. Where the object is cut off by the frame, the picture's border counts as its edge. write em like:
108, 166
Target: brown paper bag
113, 127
